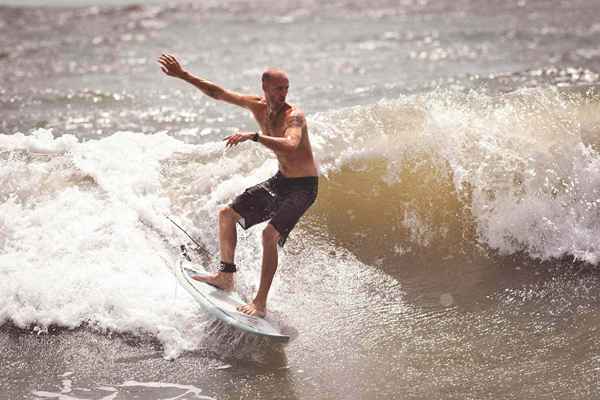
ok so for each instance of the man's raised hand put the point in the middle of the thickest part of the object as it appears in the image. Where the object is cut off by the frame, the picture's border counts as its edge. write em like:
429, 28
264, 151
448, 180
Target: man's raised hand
170, 65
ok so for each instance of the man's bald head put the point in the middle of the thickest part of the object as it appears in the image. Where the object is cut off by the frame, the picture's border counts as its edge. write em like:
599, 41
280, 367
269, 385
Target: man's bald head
274, 75
275, 85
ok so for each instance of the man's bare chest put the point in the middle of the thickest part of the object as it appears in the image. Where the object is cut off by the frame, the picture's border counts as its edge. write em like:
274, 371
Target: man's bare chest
273, 126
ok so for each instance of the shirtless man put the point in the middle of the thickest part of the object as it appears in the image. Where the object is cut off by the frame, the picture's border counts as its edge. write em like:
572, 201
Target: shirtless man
282, 199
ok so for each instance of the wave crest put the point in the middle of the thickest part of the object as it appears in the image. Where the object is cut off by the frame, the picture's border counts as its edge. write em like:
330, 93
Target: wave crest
517, 172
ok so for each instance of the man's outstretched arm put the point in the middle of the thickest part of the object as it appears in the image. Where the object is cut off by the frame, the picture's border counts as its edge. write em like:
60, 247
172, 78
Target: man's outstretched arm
171, 67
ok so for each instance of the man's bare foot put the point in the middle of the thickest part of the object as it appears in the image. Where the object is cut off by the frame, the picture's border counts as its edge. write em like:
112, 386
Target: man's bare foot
222, 280
253, 309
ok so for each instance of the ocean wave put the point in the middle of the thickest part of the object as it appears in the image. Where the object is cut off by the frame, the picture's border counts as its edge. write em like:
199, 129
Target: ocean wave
515, 172
445, 170
434, 176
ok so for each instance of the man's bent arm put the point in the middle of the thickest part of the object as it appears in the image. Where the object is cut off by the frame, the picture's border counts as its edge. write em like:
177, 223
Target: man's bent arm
290, 140
281, 144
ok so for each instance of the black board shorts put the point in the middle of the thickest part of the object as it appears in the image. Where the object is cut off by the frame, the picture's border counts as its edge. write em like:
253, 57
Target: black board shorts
282, 200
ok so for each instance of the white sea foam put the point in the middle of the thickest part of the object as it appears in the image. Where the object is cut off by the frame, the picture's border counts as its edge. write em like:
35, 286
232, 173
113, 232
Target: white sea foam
84, 238
102, 242
39, 141
146, 388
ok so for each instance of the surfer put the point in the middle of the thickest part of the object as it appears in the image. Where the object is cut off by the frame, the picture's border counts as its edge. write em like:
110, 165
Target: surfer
283, 198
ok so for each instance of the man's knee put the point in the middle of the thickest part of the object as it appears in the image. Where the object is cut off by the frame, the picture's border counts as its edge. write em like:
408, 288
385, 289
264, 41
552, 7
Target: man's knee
270, 235
228, 213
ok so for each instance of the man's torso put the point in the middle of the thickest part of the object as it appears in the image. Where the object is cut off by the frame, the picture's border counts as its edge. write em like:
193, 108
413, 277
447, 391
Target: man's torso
298, 163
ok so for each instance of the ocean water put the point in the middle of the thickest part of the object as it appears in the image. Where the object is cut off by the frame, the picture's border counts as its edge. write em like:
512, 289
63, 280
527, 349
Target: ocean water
453, 250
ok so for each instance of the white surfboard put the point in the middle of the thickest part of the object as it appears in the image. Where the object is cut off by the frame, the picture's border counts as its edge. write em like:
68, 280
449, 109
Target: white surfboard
223, 305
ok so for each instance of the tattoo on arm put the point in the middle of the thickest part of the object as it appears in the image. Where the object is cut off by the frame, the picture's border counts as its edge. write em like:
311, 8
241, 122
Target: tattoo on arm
296, 121
213, 92
210, 89
207, 87
218, 93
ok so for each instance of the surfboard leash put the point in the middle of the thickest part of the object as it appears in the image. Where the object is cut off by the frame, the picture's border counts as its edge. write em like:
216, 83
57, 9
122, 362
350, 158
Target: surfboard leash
183, 230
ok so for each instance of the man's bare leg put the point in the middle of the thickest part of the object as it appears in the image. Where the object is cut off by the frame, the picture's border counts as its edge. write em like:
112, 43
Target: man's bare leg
227, 242
258, 307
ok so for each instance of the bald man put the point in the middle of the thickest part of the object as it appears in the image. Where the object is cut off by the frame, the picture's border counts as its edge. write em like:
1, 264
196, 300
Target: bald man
282, 199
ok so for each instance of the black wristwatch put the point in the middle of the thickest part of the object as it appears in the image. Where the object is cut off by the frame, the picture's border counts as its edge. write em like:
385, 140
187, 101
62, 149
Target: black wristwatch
255, 137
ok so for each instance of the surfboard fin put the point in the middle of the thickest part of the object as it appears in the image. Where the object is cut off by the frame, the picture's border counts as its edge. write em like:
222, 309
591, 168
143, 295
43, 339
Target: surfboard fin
184, 253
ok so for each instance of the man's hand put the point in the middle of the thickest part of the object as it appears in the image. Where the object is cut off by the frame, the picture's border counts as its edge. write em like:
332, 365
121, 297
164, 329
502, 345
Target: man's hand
170, 66
237, 138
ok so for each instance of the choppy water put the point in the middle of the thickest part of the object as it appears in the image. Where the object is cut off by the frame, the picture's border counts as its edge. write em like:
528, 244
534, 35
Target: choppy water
452, 252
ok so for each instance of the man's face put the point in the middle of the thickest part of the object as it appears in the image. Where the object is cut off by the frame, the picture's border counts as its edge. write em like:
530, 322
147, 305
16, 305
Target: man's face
276, 90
